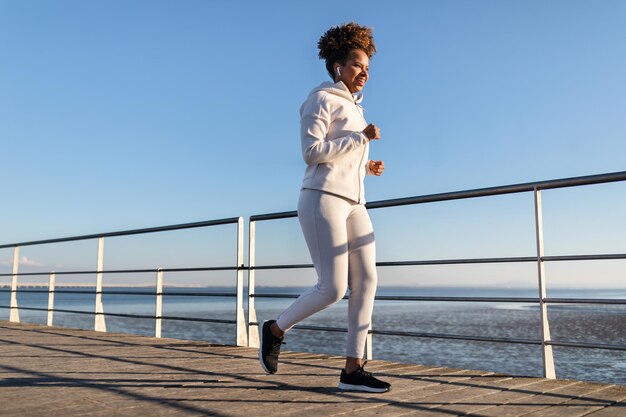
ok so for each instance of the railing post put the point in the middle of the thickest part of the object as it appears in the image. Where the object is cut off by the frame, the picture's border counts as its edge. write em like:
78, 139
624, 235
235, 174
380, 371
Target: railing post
548, 358
368, 344
242, 337
159, 303
253, 329
51, 285
100, 325
14, 315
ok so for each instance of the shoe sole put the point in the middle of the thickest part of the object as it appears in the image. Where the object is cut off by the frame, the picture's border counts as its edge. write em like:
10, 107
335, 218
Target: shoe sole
364, 388
267, 371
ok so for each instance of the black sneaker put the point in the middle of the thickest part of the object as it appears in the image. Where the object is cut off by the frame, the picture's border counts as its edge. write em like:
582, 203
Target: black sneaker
361, 380
270, 348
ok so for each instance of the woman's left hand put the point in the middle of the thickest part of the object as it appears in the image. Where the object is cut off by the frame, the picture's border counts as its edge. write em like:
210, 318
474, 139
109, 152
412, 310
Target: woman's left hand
376, 167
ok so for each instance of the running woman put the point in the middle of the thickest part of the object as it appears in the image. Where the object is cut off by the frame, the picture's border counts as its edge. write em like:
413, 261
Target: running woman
335, 142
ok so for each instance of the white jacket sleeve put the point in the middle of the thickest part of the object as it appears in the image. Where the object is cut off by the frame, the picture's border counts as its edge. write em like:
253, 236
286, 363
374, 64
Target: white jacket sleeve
315, 118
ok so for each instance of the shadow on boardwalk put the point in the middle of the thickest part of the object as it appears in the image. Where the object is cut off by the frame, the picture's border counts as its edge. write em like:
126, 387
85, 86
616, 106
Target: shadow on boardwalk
51, 371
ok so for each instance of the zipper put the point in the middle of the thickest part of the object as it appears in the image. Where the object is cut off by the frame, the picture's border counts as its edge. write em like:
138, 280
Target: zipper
362, 154
360, 164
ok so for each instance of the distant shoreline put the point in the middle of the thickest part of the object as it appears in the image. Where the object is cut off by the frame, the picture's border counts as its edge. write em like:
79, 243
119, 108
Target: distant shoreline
301, 287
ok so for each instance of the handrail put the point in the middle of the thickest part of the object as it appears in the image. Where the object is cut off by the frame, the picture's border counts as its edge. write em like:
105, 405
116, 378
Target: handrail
420, 298
133, 316
501, 190
130, 271
181, 226
518, 259
133, 293
478, 192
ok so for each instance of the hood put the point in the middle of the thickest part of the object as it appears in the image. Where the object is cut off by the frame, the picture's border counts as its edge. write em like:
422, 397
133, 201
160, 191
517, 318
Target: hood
339, 89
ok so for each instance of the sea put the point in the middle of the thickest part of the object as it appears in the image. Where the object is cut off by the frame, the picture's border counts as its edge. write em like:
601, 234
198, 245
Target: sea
602, 324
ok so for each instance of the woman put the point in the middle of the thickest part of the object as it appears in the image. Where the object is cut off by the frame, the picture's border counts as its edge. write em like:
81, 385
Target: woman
335, 143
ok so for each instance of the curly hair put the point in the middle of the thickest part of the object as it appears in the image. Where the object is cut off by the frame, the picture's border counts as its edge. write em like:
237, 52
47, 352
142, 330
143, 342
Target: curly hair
337, 43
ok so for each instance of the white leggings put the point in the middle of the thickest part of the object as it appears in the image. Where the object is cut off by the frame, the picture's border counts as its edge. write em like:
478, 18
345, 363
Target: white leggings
340, 238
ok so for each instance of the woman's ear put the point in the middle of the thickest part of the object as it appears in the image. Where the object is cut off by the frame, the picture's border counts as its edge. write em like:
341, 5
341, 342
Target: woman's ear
337, 74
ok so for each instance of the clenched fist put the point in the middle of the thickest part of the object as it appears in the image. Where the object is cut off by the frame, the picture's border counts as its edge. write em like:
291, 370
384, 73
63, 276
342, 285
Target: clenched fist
376, 167
372, 131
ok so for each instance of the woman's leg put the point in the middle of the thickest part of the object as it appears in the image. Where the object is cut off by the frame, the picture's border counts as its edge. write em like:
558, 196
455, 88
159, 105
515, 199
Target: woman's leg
362, 283
323, 220
362, 280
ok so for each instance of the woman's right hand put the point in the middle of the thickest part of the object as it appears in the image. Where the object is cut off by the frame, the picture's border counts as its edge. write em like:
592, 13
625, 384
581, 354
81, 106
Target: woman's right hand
372, 131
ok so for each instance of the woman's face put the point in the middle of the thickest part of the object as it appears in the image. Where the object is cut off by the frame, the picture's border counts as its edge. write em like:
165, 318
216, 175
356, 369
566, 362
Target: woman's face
354, 73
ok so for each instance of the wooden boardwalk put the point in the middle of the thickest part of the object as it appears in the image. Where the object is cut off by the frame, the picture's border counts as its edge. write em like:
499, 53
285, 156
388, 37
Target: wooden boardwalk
52, 371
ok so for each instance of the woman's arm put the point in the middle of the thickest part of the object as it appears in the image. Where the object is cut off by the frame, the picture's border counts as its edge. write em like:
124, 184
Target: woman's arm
314, 124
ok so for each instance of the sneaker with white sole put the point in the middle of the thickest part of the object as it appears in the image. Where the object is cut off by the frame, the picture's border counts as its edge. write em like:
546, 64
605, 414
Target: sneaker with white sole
269, 349
361, 380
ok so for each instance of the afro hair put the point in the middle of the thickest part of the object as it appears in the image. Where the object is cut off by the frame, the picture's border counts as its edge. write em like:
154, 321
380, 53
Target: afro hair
337, 42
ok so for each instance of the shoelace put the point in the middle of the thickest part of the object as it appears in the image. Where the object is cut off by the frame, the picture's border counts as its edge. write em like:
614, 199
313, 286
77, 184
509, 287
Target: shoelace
275, 350
363, 371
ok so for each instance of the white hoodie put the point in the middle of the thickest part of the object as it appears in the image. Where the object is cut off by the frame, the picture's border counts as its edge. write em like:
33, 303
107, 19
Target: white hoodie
333, 145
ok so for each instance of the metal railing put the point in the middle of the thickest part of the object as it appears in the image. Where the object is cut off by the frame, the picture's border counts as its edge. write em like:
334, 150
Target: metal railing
99, 272
540, 259
251, 337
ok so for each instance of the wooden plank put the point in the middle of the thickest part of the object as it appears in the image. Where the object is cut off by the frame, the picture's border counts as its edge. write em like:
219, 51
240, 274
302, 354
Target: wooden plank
67, 372
615, 410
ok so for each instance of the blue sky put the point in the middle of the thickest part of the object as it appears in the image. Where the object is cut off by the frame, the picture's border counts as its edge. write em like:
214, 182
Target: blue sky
117, 115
